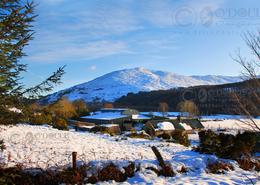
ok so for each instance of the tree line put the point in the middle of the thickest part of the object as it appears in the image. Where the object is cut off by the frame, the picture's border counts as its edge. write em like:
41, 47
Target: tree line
208, 99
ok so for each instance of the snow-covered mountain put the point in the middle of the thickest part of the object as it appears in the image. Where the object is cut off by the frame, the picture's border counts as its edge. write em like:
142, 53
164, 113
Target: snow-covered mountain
118, 83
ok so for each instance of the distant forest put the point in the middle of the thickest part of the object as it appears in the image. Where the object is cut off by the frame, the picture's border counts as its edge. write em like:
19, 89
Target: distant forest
210, 99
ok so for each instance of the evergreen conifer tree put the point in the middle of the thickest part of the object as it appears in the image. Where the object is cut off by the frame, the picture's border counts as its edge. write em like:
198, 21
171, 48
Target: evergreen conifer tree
16, 18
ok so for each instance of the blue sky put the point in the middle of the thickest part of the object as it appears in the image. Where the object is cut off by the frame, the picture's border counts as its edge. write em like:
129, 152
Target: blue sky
94, 37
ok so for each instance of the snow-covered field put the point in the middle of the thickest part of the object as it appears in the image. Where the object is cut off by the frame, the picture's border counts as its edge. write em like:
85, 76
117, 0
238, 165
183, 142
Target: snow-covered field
230, 124
43, 146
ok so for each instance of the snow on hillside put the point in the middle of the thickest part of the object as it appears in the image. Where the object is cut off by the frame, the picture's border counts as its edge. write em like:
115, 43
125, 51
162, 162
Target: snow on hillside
118, 83
216, 79
43, 146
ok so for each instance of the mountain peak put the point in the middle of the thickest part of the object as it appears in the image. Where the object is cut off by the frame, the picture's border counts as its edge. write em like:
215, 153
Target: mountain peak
113, 85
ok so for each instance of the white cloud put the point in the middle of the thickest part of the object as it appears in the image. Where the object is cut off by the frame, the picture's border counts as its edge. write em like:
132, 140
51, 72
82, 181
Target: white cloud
74, 53
53, 1
82, 31
93, 68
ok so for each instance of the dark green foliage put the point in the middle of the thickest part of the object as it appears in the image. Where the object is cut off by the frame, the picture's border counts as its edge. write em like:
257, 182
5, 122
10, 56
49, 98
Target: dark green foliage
209, 142
15, 33
227, 145
244, 144
16, 19
47, 85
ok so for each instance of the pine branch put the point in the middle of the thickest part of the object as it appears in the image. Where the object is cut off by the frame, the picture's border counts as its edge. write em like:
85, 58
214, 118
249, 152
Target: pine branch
47, 85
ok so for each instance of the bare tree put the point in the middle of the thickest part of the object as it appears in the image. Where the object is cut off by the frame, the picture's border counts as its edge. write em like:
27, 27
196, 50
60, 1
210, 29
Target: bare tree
249, 104
188, 106
108, 106
163, 108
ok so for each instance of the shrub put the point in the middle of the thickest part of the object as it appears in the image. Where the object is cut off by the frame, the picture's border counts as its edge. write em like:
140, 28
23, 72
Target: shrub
60, 124
226, 145
16, 175
108, 106
63, 109
165, 136
41, 118
181, 137
209, 142
244, 144
246, 163
227, 142
219, 167
111, 172
2, 145
80, 107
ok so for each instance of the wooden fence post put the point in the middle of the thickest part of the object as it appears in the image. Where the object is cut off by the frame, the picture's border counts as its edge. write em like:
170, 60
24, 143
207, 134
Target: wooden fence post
159, 157
74, 160
167, 170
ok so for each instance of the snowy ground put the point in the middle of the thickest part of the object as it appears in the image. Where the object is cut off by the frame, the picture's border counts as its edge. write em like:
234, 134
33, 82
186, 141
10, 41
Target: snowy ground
43, 146
230, 124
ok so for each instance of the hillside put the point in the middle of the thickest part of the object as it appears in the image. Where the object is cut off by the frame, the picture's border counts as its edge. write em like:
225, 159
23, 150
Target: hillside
210, 99
116, 84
